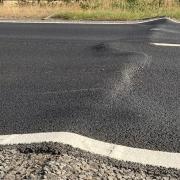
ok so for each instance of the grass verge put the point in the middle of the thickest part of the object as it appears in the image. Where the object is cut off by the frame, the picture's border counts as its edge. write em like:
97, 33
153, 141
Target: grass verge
92, 9
26, 12
115, 14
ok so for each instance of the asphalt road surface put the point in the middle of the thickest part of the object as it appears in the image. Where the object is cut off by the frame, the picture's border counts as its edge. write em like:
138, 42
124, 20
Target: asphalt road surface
102, 81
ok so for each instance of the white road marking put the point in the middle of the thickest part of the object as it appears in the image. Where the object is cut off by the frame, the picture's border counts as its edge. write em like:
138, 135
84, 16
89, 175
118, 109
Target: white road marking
166, 30
173, 20
53, 21
124, 153
71, 91
166, 44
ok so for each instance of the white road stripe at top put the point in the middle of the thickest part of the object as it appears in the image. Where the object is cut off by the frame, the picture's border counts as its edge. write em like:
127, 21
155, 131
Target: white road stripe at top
54, 21
166, 44
119, 152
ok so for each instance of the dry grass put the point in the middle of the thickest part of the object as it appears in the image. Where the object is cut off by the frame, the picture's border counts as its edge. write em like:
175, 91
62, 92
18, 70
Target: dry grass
93, 10
23, 12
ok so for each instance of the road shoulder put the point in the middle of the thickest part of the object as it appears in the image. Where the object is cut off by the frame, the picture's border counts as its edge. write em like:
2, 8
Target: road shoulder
54, 160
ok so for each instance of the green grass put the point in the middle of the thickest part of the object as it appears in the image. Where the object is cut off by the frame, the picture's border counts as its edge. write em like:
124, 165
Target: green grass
116, 14
120, 9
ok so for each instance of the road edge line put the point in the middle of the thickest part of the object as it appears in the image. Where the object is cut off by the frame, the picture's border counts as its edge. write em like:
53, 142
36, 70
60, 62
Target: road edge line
118, 152
54, 21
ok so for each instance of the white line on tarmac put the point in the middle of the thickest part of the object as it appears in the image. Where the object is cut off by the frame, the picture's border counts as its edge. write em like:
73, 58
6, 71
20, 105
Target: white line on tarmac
54, 21
166, 30
166, 44
124, 153
173, 20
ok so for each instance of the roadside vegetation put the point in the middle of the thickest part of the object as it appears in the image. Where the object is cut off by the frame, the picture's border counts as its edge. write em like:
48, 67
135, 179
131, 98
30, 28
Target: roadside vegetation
90, 9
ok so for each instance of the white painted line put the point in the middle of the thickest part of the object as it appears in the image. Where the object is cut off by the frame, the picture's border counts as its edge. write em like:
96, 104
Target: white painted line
173, 20
53, 21
166, 30
143, 156
166, 44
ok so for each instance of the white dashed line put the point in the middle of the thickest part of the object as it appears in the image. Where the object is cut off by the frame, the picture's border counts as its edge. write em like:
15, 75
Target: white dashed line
166, 44
124, 153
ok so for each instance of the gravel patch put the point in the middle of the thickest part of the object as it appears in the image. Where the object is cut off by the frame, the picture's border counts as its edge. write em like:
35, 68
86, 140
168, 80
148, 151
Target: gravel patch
58, 161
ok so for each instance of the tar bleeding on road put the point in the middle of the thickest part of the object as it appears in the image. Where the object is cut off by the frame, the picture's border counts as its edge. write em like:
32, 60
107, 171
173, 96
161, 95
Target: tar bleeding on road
107, 82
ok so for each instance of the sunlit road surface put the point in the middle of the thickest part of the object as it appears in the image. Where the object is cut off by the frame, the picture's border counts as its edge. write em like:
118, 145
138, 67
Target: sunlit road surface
114, 83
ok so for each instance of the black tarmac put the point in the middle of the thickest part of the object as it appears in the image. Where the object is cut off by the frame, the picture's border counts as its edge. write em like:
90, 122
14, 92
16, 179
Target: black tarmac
106, 82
